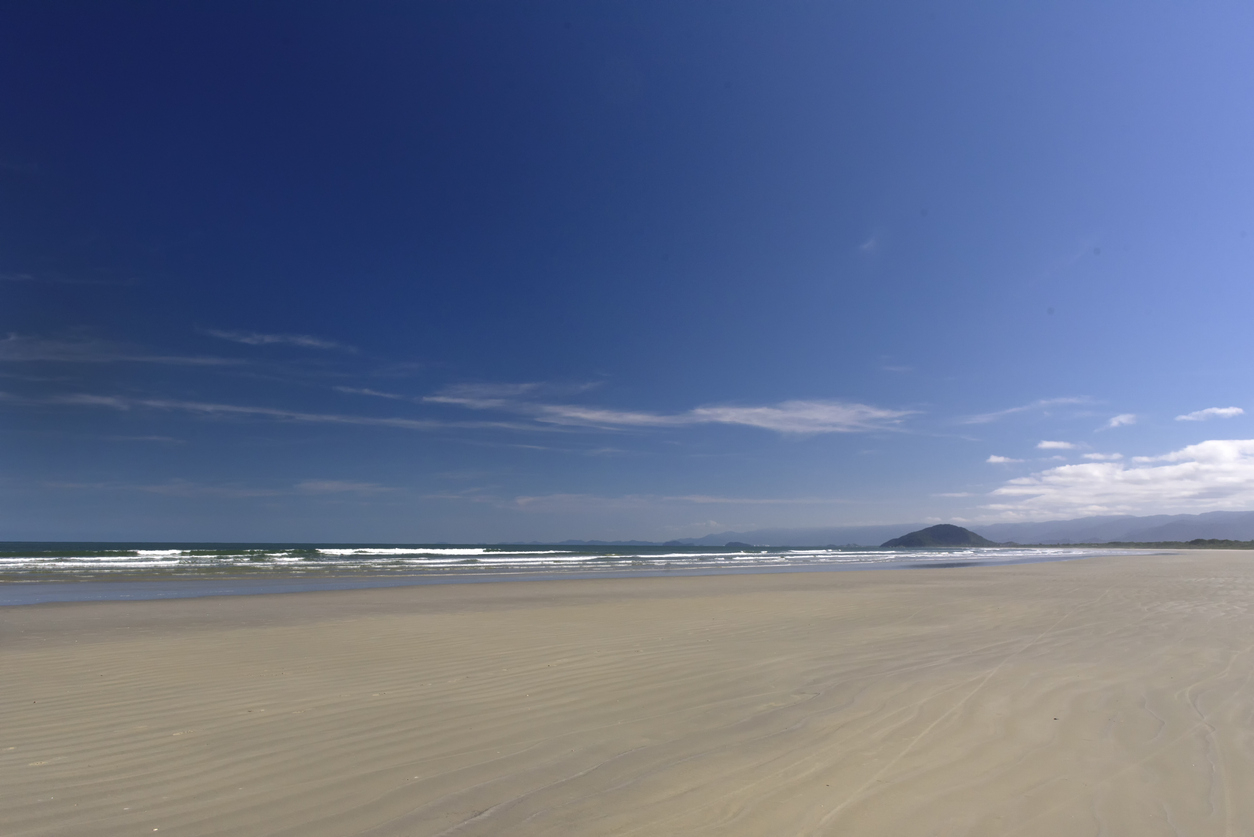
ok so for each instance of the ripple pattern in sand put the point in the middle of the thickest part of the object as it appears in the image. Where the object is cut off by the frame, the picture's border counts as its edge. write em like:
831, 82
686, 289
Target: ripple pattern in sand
1111, 696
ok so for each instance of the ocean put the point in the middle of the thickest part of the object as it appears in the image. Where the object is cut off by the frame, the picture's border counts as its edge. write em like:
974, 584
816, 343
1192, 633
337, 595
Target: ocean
46, 572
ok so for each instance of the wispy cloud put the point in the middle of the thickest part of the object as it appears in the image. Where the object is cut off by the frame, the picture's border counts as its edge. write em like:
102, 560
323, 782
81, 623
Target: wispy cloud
1121, 420
484, 396
21, 349
340, 487
209, 409
177, 488
1211, 413
1210, 476
252, 338
1104, 457
372, 392
802, 417
796, 417
1043, 404
708, 500
789, 417
576, 502
189, 488
1055, 446
1001, 460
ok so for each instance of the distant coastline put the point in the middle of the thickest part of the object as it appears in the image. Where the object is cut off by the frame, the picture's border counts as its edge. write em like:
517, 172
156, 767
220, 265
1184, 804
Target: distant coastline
1196, 543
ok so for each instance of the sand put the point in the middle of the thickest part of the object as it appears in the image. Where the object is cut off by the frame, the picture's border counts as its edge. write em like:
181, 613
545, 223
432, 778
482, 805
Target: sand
1108, 696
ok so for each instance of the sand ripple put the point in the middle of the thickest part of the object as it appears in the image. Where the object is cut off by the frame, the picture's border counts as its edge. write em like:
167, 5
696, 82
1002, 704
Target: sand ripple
1111, 696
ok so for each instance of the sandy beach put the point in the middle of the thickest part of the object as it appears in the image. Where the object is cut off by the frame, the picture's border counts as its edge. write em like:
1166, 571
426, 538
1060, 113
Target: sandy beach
1101, 696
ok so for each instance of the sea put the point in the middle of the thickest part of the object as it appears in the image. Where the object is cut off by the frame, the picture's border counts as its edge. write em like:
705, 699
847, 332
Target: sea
34, 573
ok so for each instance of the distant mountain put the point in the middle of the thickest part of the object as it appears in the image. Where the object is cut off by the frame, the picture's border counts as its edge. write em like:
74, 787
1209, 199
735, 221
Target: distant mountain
1237, 526
944, 534
824, 536
607, 543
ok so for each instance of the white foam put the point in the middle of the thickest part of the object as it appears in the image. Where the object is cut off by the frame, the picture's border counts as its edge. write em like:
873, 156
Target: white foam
409, 550
473, 559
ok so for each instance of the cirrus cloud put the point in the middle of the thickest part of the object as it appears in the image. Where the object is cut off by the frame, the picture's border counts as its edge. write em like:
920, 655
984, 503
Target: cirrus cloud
1121, 420
252, 338
17, 348
1043, 405
1210, 413
796, 417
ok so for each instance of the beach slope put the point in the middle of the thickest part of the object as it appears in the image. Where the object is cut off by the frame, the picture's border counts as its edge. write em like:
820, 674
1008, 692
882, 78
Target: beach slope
1105, 696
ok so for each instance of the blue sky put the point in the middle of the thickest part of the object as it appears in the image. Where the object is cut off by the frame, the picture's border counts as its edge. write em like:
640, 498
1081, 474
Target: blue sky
527, 271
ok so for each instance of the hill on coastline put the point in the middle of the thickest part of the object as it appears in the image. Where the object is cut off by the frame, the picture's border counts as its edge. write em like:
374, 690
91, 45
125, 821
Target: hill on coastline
944, 534
1108, 529
1236, 526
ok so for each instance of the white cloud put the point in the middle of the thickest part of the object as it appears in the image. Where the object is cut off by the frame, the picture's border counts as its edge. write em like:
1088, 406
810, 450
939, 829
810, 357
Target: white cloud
186, 488
595, 417
339, 487
1104, 457
374, 392
788, 417
483, 396
17, 348
208, 409
252, 338
1214, 475
1043, 404
1210, 413
1121, 420
804, 417
175, 488
588, 502
1001, 460
1055, 446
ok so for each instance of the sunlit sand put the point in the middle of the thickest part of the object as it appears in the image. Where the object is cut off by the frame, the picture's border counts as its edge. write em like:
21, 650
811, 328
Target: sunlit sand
1101, 696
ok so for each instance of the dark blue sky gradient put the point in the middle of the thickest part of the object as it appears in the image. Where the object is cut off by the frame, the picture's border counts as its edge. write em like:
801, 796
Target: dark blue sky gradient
937, 211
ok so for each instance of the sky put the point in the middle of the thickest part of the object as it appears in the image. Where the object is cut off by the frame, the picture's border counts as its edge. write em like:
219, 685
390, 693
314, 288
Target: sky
516, 271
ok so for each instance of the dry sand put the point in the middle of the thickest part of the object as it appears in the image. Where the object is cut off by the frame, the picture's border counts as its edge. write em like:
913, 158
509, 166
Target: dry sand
1105, 696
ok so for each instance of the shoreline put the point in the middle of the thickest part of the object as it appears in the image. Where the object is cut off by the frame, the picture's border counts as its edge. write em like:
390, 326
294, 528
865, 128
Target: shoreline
20, 593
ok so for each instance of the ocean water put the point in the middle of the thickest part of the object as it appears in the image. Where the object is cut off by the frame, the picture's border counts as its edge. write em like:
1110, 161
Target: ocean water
38, 572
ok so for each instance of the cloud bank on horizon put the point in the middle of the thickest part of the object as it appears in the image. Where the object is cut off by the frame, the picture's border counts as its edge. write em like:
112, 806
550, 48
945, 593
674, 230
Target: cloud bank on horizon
1215, 475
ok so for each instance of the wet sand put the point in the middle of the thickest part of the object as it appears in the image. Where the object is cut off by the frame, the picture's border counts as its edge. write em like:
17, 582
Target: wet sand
1102, 696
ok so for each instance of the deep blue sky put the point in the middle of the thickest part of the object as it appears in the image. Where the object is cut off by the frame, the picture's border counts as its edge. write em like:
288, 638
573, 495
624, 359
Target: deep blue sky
491, 271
